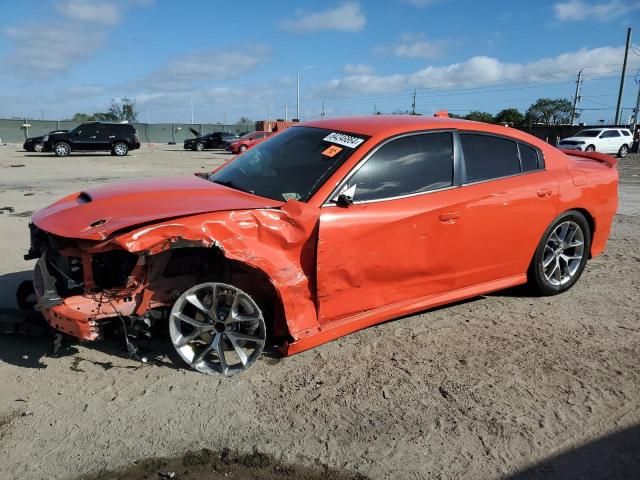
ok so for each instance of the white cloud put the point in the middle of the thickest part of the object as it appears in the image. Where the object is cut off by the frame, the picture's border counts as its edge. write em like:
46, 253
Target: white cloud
482, 70
45, 49
578, 10
347, 17
184, 72
415, 46
85, 11
357, 69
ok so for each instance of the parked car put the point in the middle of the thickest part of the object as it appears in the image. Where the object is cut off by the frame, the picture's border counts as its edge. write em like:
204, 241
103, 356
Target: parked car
34, 144
211, 140
247, 141
606, 140
117, 138
324, 229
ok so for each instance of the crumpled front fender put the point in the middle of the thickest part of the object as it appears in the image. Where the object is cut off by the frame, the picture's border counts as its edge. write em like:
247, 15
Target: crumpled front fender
279, 242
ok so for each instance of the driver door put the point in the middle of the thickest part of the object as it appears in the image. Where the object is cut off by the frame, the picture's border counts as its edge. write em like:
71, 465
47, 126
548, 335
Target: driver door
397, 241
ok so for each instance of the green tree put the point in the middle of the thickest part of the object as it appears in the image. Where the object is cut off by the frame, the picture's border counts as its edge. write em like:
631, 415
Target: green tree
122, 109
480, 117
550, 111
510, 116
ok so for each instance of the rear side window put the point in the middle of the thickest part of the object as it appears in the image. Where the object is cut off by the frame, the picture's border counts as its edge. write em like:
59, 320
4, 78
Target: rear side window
610, 134
488, 157
528, 158
626, 133
405, 166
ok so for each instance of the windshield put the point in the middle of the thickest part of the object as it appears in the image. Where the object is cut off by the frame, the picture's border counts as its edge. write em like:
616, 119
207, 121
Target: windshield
588, 133
292, 164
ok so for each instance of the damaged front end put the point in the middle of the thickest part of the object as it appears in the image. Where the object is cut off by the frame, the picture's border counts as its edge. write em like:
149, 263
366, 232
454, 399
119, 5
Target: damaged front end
81, 285
136, 276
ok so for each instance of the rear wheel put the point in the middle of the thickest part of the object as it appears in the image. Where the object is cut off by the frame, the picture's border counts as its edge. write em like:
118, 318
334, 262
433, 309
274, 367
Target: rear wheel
120, 149
590, 148
217, 328
561, 254
62, 149
624, 151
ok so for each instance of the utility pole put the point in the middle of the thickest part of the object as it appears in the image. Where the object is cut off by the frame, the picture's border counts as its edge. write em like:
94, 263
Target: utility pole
576, 97
322, 114
624, 72
191, 103
375, 109
286, 112
636, 117
413, 104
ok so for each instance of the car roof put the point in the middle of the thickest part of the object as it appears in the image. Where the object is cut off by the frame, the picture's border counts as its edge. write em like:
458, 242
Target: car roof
387, 125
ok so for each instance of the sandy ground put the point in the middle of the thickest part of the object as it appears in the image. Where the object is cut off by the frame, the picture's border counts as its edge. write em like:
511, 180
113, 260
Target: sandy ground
503, 386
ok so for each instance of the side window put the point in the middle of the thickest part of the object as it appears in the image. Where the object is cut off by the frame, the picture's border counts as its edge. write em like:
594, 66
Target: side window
528, 158
487, 157
89, 131
407, 165
610, 134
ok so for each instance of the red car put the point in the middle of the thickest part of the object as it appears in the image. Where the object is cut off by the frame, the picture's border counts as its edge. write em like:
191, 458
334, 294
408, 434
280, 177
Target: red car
324, 229
247, 141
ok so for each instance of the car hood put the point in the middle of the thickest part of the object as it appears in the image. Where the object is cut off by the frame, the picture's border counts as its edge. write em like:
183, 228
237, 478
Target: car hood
98, 212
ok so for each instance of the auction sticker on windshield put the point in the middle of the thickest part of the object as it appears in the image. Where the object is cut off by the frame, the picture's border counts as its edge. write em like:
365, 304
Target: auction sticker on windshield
343, 139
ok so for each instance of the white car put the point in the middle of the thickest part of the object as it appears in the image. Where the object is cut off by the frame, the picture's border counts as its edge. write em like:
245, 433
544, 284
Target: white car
605, 140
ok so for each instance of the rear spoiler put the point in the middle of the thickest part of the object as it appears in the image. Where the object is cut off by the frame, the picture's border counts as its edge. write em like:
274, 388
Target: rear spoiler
598, 157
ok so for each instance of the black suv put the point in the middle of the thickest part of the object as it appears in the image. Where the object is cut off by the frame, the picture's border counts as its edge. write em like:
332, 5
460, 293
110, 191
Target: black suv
211, 140
117, 138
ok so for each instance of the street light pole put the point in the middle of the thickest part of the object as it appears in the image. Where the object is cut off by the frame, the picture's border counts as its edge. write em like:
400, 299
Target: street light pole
298, 90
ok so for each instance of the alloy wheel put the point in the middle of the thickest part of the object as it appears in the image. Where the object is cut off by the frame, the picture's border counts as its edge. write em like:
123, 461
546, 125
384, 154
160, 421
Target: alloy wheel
563, 253
62, 149
217, 328
37, 147
120, 149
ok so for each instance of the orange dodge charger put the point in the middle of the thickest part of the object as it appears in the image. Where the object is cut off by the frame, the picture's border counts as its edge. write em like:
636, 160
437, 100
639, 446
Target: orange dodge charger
324, 229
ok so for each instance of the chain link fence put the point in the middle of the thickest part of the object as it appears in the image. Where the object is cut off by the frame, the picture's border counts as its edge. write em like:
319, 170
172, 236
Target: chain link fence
17, 131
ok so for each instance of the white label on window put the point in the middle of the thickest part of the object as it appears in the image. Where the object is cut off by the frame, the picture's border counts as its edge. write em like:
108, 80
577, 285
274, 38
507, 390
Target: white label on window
342, 139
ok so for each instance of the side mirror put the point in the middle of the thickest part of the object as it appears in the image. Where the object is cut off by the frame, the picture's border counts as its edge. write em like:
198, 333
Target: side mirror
344, 200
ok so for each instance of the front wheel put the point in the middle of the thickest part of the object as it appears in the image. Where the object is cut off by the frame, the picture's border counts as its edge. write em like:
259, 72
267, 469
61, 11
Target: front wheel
243, 148
62, 149
624, 151
199, 147
120, 149
590, 148
38, 147
561, 254
217, 328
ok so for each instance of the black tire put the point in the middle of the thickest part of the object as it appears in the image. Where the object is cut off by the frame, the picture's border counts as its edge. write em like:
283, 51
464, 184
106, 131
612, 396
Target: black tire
199, 147
62, 149
624, 151
243, 148
119, 149
590, 148
38, 147
538, 280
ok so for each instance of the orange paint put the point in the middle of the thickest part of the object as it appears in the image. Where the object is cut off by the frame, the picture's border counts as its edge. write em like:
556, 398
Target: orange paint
336, 269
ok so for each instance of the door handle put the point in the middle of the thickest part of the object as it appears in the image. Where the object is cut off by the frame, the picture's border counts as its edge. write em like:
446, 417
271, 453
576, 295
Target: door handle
544, 192
93, 137
449, 216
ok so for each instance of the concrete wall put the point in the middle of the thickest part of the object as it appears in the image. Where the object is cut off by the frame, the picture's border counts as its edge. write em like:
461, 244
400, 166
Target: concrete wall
11, 131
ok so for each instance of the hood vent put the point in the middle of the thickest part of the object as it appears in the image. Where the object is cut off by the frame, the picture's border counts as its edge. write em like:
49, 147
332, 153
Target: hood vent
84, 197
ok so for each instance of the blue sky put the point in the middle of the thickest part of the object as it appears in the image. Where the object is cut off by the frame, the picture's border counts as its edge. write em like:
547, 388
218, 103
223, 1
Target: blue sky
233, 59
